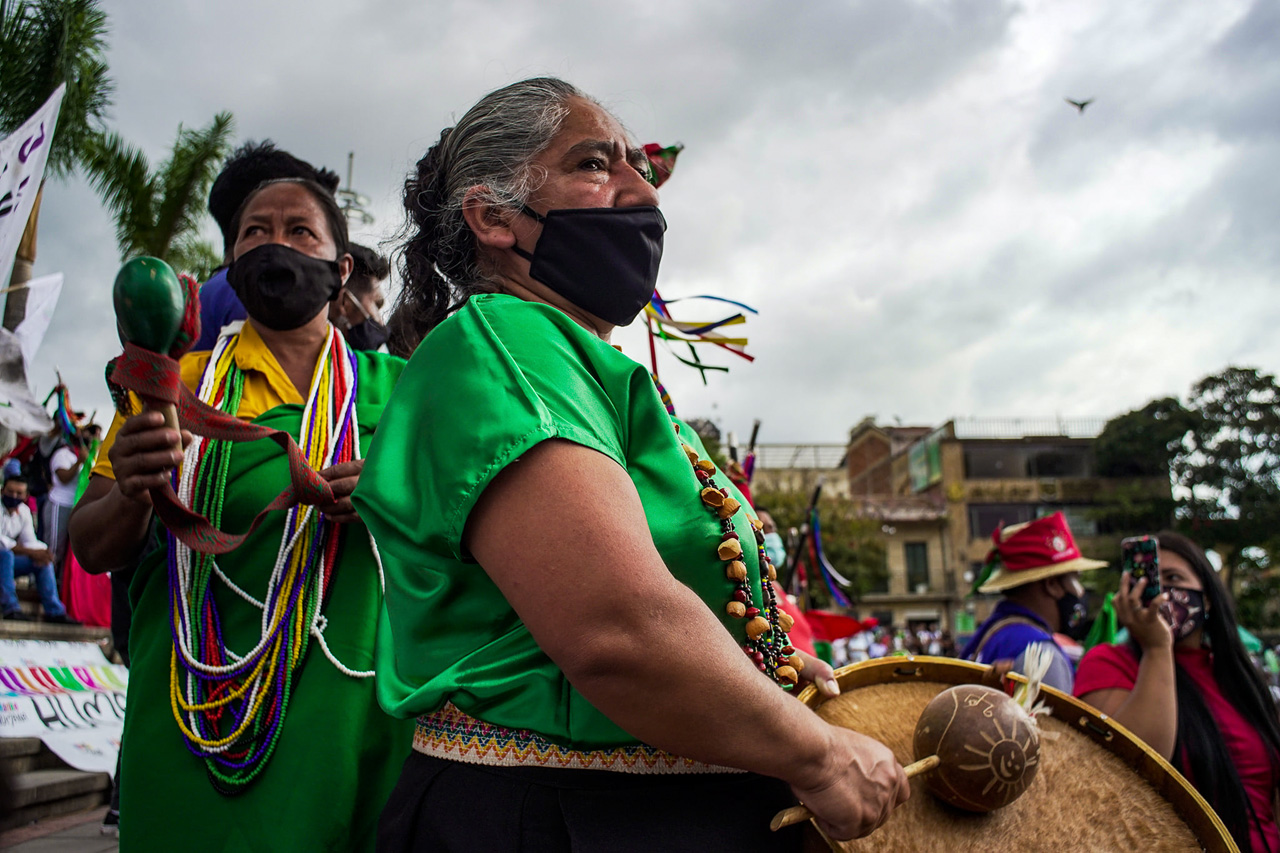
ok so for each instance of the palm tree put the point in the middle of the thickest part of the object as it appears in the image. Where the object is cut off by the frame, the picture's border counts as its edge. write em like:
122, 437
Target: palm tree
43, 44
158, 213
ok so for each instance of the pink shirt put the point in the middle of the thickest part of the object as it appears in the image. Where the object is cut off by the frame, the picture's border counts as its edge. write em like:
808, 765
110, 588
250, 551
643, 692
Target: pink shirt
1116, 667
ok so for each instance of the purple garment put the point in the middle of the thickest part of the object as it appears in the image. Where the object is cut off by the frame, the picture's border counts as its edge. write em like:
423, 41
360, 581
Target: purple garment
219, 306
1011, 641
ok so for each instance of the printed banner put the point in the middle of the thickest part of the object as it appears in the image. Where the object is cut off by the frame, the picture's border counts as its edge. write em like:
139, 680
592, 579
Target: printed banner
66, 694
22, 157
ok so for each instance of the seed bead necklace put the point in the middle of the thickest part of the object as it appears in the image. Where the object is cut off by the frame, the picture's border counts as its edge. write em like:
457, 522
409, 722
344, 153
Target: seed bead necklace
230, 707
767, 626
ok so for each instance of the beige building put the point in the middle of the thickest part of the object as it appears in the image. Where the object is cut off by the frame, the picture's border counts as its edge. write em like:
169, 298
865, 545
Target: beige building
939, 493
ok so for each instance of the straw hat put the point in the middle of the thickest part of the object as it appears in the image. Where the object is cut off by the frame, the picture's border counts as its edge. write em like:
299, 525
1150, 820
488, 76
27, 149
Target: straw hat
1025, 553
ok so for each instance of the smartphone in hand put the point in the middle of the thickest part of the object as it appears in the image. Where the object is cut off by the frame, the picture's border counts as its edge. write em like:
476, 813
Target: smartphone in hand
1140, 557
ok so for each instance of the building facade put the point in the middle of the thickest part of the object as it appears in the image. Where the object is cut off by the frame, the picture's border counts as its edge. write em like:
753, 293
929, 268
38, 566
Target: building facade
939, 494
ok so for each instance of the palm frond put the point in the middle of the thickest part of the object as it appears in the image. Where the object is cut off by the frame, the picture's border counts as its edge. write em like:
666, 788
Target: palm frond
122, 177
195, 257
184, 180
44, 43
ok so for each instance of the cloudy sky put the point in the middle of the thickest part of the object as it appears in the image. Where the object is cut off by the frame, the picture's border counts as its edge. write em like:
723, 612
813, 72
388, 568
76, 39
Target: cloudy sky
927, 229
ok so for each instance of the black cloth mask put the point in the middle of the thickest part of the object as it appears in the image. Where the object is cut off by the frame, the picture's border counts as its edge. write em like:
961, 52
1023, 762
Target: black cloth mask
281, 287
1073, 611
602, 259
11, 502
368, 335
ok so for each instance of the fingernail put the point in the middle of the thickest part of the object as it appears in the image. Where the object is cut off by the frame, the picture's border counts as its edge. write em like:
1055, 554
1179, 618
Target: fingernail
833, 688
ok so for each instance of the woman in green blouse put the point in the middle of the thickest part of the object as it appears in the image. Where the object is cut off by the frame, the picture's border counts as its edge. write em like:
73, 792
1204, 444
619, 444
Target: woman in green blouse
571, 586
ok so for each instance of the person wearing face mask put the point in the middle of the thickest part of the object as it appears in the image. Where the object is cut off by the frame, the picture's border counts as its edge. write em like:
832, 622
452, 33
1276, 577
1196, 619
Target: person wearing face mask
21, 553
1184, 683
580, 604
253, 721
357, 312
1036, 566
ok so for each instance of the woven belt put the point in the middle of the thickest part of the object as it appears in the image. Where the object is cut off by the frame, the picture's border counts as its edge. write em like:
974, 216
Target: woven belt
451, 734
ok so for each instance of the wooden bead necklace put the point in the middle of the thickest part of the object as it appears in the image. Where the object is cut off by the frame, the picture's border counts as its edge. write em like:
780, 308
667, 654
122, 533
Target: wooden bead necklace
767, 644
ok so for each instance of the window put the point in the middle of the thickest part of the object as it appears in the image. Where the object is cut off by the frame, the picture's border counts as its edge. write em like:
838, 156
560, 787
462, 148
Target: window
917, 554
1079, 518
1050, 461
993, 461
878, 584
984, 518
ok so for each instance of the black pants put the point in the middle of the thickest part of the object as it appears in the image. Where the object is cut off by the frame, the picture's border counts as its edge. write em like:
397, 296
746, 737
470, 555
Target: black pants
452, 807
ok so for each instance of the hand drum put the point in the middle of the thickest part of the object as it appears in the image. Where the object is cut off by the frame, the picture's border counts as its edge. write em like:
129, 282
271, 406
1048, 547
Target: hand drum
988, 747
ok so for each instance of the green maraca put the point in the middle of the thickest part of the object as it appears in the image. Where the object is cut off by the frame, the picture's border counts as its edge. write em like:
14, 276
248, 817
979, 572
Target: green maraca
150, 303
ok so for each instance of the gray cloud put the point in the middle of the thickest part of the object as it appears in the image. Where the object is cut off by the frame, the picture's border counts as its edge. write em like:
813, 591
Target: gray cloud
926, 228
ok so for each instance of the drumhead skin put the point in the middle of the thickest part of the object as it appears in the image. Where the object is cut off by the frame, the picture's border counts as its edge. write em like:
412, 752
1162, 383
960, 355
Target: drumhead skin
1098, 788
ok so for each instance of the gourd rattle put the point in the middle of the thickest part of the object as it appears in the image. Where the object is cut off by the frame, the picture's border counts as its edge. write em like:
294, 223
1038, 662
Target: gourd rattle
982, 747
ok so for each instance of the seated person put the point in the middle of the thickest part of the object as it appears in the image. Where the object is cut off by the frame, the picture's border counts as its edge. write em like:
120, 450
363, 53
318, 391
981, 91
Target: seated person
21, 553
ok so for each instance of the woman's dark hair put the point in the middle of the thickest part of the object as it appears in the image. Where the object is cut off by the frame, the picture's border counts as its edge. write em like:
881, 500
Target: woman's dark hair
1200, 751
246, 169
493, 147
368, 269
332, 213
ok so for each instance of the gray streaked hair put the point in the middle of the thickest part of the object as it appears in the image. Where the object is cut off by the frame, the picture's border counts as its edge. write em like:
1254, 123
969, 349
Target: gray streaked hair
492, 146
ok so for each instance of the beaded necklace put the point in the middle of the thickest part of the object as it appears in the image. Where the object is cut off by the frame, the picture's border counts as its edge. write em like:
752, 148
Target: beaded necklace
767, 644
230, 707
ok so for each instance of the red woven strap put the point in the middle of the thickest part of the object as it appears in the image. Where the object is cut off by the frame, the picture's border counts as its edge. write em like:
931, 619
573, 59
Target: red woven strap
156, 377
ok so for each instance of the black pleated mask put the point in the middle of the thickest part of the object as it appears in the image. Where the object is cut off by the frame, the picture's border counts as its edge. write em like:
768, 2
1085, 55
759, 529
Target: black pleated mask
281, 287
602, 259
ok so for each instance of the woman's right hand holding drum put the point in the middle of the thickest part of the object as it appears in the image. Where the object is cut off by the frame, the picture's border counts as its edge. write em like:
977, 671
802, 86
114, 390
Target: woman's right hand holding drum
856, 789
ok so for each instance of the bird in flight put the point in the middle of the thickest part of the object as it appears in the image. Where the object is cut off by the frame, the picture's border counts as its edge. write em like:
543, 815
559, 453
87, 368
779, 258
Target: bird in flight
1079, 105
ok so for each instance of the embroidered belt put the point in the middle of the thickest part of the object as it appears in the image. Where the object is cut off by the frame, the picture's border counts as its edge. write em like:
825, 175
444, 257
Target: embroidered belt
451, 734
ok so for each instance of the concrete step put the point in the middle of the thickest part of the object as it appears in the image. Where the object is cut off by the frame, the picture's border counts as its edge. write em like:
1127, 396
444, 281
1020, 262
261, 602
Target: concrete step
21, 755
54, 809
12, 630
47, 786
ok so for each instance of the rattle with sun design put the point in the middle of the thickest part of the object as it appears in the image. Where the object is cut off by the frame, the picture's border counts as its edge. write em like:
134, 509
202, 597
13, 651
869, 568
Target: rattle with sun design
980, 748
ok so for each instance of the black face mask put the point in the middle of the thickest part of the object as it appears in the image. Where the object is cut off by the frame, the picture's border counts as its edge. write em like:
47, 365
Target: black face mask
10, 502
1073, 611
602, 259
369, 335
282, 288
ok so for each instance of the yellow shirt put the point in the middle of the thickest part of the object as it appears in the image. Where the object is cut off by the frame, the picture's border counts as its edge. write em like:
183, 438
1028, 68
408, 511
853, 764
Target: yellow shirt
266, 386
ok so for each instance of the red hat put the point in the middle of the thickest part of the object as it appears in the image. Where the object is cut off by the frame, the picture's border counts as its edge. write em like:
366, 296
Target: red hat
1034, 551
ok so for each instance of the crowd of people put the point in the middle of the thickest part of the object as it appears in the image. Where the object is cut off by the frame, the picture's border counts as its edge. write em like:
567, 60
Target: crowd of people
526, 611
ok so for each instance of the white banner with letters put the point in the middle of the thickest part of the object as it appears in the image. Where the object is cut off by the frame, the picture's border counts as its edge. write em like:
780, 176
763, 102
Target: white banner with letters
23, 154
66, 694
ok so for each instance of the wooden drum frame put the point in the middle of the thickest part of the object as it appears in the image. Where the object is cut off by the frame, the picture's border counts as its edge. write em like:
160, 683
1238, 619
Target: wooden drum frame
1099, 788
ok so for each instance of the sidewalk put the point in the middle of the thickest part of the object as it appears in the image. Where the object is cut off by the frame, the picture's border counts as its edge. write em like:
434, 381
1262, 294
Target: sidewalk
77, 833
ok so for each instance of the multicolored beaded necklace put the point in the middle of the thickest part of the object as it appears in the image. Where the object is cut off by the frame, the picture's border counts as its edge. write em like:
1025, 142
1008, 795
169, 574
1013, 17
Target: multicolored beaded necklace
767, 644
230, 707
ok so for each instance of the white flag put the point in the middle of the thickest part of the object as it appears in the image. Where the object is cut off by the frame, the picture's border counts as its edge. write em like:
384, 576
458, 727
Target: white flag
42, 298
22, 158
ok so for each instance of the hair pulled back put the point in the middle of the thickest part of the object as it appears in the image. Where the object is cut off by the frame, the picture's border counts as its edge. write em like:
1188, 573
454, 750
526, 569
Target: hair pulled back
492, 147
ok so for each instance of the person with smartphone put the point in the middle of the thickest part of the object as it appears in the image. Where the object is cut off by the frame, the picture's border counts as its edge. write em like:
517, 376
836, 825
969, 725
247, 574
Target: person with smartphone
1184, 684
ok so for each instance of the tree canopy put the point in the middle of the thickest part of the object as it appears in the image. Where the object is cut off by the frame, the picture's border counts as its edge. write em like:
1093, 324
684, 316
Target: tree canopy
44, 43
158, 212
